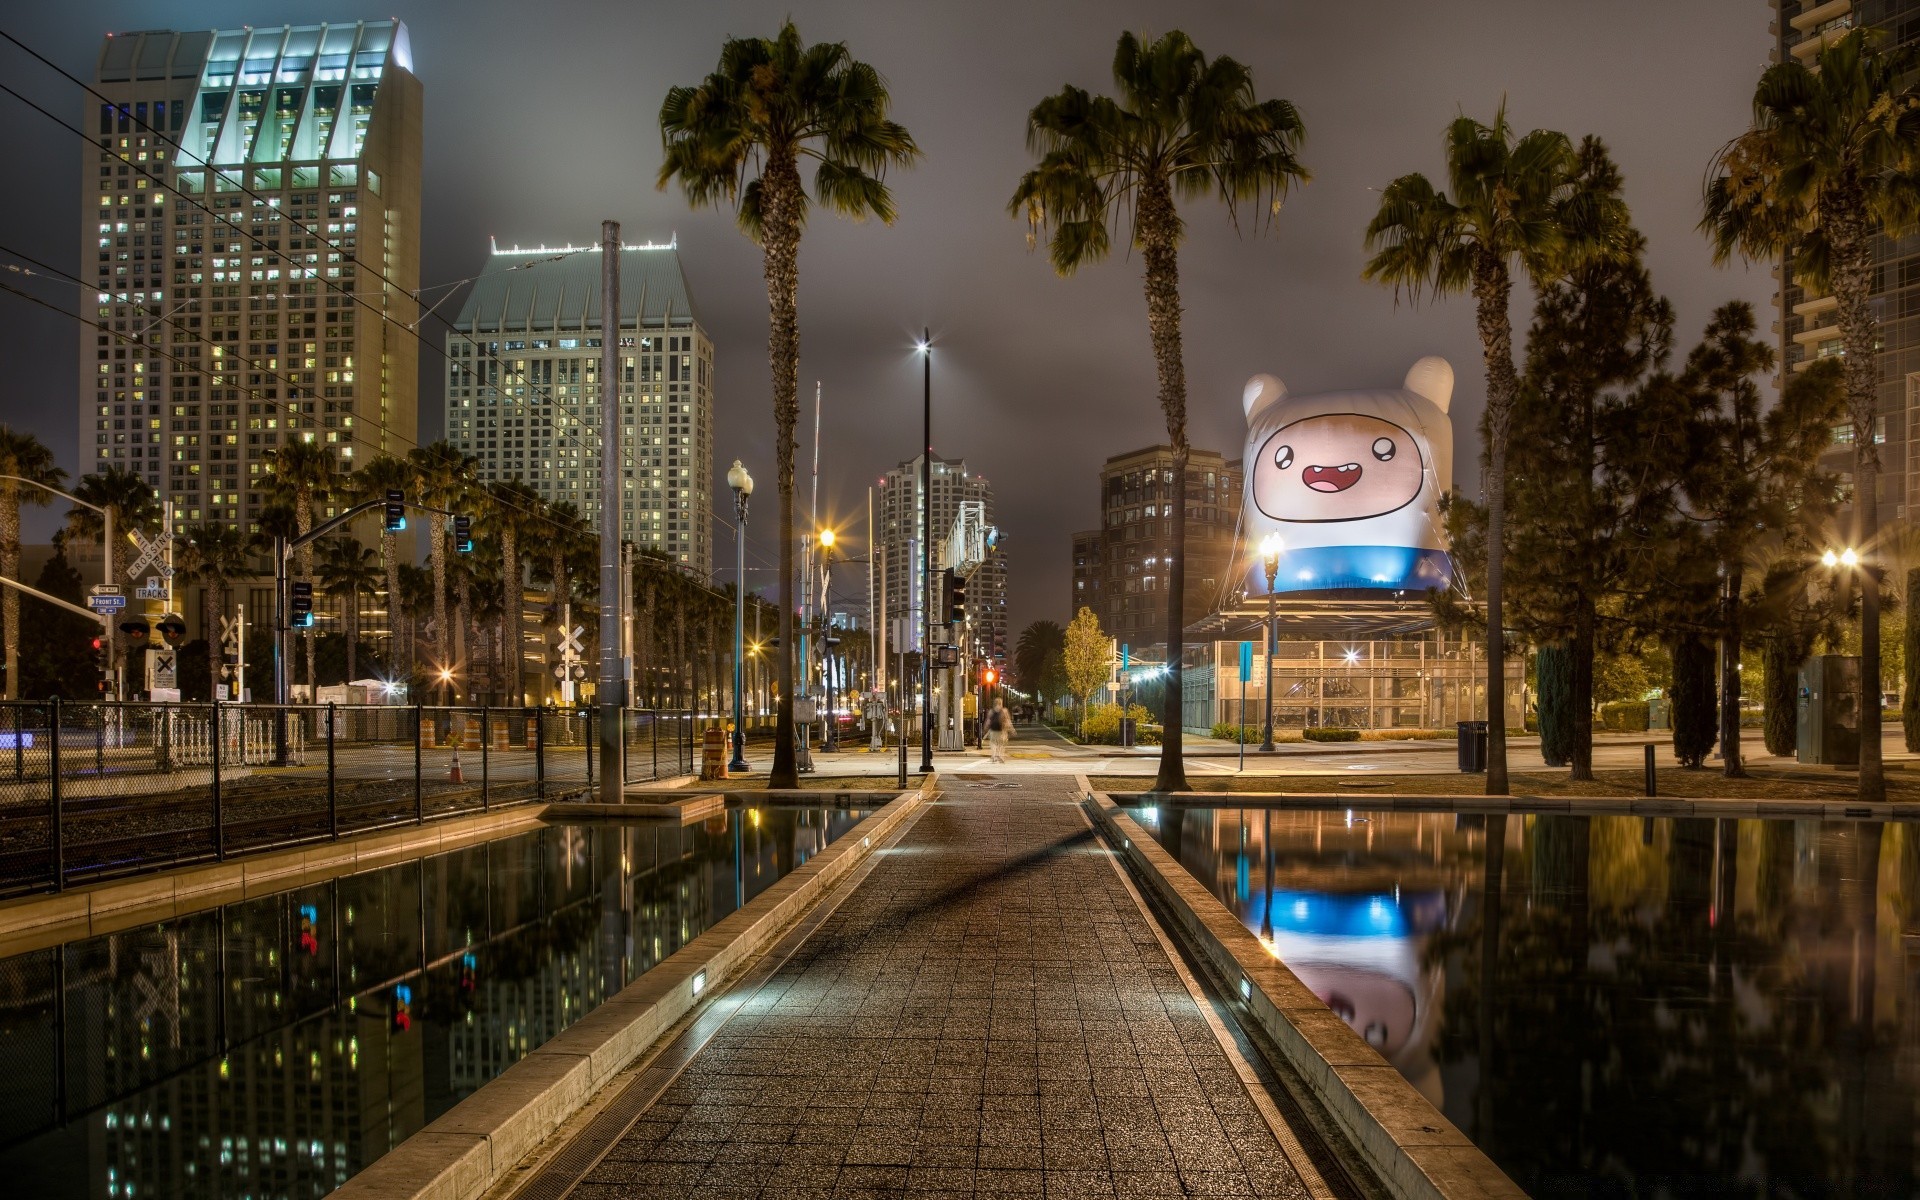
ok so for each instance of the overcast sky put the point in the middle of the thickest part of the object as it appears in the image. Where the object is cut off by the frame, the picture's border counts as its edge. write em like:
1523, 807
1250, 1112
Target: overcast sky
541, 120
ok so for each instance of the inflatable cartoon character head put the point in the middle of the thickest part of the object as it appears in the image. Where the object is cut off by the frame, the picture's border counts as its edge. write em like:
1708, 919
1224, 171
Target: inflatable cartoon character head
1351, 481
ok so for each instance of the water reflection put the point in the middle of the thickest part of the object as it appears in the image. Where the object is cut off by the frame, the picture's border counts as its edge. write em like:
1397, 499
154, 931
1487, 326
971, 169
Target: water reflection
1611, 1005
272, 1048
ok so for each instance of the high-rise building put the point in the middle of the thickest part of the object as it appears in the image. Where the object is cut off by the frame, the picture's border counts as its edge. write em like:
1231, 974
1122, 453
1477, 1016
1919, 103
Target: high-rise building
898, 515
523, 390
252, 221
1119, 570
1808, 322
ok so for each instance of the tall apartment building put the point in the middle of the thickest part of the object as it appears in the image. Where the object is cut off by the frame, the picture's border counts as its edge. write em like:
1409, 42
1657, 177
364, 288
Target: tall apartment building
1808, 321
523, 390
252, 221
897, 534
1119, 570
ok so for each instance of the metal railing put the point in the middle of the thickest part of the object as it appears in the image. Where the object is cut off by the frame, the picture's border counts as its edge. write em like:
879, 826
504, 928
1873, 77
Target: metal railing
92, 791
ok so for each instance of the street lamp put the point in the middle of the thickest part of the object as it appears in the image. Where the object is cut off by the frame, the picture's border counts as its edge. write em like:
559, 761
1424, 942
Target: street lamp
1270, 548
926, 551
831, 740
742, 484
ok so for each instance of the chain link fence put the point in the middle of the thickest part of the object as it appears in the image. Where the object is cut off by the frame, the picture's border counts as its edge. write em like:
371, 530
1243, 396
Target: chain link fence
90, 791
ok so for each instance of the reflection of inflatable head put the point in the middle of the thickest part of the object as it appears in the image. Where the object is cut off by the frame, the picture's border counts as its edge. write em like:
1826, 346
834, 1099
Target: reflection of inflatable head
1361, 954
1351, 481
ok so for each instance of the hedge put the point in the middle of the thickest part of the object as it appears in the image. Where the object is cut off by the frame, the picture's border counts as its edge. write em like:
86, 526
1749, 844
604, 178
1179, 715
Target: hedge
1333, 735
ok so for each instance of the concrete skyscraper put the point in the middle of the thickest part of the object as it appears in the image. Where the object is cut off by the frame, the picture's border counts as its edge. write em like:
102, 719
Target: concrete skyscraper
897, 533
252, 221
523, 390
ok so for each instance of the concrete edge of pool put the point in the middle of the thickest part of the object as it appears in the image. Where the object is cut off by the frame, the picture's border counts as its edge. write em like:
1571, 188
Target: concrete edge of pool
1409, 1146
35, 922
477, 1143
1362, 800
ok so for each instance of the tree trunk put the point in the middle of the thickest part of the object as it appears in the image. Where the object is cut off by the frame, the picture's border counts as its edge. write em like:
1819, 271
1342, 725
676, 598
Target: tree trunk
511, 615
437, 553
1582, 688
1491, 291
402, 664
1159, 226
1850, 238
353, 631
1730, 634
1910, 664
303, 521
10, 567
780, 197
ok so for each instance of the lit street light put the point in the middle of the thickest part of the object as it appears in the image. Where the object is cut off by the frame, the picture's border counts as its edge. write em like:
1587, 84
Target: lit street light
926, 553
831, 740
742, 484
1270, 549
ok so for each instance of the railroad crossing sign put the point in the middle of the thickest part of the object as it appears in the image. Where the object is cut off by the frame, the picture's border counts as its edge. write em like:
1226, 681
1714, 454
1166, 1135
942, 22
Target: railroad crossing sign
152, 589
153, 553
165, 668
570, 644
229, 632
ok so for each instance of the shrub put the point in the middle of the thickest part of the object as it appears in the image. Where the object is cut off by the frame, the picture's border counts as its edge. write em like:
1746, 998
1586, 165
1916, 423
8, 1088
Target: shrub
1245, 734
1624, 716
1333, 735
1102, 726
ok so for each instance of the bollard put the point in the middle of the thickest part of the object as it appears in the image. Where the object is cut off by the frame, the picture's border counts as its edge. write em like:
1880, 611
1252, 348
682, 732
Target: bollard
1652, 782
53, 800
333, 803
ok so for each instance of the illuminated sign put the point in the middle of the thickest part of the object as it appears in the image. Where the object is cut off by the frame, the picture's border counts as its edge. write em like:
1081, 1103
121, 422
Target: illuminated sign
309, 930
1351, 482
402, 1007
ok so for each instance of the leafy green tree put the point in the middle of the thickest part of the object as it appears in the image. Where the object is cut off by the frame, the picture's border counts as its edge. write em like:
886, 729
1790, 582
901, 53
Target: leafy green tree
1517, 202
25, 457
772, 103
1831, 162
1088, 657
1183, 128
515, 516
304, 475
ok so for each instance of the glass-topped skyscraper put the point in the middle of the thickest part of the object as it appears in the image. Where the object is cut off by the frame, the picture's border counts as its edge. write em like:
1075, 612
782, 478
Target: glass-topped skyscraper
252, 222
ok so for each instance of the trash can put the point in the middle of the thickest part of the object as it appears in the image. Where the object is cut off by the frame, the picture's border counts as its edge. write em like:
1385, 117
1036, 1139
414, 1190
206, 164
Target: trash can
1472, 738
1126, 731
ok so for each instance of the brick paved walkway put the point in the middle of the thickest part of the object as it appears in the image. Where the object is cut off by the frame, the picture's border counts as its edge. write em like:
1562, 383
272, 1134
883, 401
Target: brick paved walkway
988, 1014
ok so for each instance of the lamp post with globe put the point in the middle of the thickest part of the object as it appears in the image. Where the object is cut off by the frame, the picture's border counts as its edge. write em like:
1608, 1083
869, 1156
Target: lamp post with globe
742, 484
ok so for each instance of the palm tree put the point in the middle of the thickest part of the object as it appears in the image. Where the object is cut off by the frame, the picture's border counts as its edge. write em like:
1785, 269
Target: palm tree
303, 475
347, 569
1184, 128
135, 507
443, 479
1038, 642
566, 540
213, 555
372, 480
1516, 202
771, 103
1832, 160
21, 455
514, 515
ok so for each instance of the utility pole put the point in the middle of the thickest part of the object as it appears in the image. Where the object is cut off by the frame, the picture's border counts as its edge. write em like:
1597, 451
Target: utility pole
612, 772
926, 552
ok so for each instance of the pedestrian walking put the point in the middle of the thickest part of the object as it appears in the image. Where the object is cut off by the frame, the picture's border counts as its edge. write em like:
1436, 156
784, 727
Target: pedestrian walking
999, 730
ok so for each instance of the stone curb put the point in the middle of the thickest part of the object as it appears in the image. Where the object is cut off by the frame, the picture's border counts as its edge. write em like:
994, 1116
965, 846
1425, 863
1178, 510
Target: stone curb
1649, 806
34, 922
476, 1144
1414, 1151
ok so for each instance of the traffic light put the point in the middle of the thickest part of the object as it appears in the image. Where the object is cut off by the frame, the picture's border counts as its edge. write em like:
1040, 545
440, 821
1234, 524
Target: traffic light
302, 604
172, 629
396, 510
945, 606
463, 535
101, 660
957, 612
988, 676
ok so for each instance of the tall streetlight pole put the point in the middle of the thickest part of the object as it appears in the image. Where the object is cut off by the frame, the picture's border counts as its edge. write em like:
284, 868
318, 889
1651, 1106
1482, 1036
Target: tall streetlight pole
830, 740
742, 484
608, 693
926, 552
1270, 547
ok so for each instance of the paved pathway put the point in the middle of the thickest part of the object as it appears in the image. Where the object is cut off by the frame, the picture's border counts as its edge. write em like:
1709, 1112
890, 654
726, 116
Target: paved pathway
987, 1014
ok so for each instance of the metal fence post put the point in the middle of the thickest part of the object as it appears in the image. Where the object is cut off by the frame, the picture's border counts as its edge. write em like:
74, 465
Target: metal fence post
333, 801
19, 746
164, 744
419, 800
538, 717
486, 743
656, 743
219, 830
592, 731
54, 839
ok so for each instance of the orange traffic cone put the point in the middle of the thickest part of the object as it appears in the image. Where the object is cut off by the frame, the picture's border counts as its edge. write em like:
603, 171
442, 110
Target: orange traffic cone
453, 766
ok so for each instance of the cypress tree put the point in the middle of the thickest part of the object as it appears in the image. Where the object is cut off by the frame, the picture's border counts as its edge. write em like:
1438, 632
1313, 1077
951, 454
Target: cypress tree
1695, 710
1553, 672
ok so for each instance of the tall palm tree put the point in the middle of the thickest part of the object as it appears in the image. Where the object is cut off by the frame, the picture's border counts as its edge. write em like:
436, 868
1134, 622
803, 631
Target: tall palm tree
372, 480
771, 103
1183, 128
443, 480
565, 543
1832, 160
24, 456
135, 507
303, 476
1516, 202
513, 516
348, 569
213, 555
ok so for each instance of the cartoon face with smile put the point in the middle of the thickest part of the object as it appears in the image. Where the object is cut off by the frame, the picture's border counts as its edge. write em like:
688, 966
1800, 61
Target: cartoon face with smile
1337, 467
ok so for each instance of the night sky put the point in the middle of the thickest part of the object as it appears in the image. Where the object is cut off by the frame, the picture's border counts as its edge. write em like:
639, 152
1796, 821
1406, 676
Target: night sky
541, 120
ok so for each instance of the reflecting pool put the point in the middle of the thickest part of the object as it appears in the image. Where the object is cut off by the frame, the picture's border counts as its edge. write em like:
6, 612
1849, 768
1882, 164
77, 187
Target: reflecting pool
274, 1047
1610, 1005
